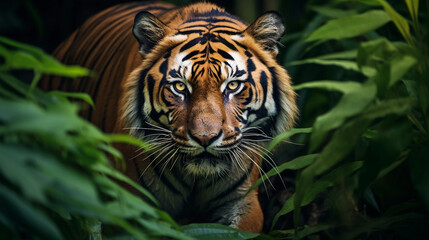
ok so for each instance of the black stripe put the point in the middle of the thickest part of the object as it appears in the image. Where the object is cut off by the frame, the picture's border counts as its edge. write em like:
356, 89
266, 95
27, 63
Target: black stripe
165, 181
225, 54
264, 84
234, 186
191, 54
226, 43
191, 31
190, 44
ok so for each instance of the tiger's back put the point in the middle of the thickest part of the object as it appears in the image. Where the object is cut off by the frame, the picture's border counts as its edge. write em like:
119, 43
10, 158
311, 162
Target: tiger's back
199, 84
96, 45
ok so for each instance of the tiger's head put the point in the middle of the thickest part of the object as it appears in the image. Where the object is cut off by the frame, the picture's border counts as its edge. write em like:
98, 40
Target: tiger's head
208, 89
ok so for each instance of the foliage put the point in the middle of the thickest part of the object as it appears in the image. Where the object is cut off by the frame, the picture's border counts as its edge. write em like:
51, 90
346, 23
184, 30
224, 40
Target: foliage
57, 181
363, 80
368, 151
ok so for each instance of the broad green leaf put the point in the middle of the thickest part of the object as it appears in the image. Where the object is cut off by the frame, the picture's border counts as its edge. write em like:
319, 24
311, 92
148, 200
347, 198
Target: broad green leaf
400, 22
283, 136
378, 49
398, 106
346, 64
311, 191
211, 231
344, 87
399, 66
383, 153
23, 215
350, 26
350, 104
157, 228
295, 164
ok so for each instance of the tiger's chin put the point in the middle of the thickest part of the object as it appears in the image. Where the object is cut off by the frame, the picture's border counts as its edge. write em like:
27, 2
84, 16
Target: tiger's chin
206, 165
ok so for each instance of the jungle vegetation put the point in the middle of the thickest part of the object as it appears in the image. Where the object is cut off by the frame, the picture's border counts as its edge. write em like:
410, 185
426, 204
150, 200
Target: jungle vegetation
358, 155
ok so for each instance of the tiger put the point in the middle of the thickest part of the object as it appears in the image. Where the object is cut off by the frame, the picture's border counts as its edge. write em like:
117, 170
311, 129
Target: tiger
198, 84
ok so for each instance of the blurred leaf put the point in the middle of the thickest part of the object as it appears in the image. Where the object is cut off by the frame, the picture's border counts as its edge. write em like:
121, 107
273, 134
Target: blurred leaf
350, 54
400, 22
122, 138
283, 136
383, 152
295, 164
400, 65
398, 106
346, 64
120, 177
350, 26
350, 104
333, 12
212, 231
344, 87
21, 215
311, 191
82, 96
163, 229
32, 58
413, 8
378, 49
308, 231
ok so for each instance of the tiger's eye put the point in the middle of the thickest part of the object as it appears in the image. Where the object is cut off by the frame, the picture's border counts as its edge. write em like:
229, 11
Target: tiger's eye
180, 86
233, 85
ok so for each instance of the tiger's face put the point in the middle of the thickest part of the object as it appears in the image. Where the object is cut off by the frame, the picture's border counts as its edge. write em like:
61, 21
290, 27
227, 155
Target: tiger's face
205, 97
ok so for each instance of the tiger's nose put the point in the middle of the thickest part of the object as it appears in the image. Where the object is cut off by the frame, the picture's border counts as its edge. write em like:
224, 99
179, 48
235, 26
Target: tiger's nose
205, 139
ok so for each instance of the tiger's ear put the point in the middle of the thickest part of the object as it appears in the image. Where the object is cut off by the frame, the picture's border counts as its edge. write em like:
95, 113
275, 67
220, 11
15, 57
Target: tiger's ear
148, 30
267, 31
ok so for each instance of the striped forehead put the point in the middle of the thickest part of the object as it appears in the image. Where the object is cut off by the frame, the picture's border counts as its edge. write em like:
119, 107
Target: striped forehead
213, 20
208, 59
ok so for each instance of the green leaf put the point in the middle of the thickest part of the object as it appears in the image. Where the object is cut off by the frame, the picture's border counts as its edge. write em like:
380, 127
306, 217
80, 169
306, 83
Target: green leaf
22, 215
82, 96
283, 136
378, 49
311, 191
350, 26
398, 106
399, 66
344, 87
32, 58
211, 231
119, 176
350, 54
333, 12
400, 22
295, 164
350, 104
346, 64
122, 138
383, 153
163, 229
413, 8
